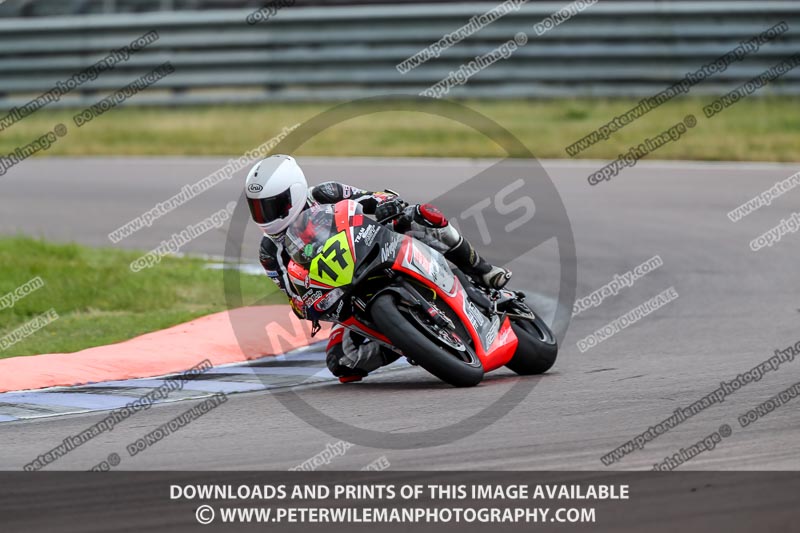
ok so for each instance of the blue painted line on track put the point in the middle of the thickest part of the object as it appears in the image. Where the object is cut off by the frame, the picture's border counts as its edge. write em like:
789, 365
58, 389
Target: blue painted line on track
228, 387
228, 379
270, 371
68, 399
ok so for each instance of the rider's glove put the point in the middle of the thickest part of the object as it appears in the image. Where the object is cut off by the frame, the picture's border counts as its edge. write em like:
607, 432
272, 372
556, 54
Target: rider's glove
389, 209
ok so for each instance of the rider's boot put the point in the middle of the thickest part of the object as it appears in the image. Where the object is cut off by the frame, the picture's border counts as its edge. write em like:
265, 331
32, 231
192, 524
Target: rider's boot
459, 251
350, 356
464, 256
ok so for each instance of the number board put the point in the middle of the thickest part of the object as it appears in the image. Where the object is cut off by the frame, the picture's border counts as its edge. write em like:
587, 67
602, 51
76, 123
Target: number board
334, 264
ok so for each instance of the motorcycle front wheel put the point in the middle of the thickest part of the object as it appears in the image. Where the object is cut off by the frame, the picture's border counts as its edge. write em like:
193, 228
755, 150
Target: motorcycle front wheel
447, 359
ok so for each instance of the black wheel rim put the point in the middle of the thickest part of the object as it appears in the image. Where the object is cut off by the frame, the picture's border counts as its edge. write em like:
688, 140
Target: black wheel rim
463, 353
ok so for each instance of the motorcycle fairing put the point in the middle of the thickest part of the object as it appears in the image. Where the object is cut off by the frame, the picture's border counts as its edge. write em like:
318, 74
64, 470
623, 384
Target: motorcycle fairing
494, 343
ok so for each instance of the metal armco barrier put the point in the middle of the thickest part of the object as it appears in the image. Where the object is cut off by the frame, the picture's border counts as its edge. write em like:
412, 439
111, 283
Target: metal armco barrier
344, 52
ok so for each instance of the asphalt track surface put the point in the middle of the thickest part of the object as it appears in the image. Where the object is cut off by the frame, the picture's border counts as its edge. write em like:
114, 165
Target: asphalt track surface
735, 307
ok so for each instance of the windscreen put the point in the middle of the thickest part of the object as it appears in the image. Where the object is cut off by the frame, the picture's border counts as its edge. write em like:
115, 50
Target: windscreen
308, 234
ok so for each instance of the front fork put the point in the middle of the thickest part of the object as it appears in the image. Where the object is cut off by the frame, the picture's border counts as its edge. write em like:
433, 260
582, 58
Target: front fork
413, 298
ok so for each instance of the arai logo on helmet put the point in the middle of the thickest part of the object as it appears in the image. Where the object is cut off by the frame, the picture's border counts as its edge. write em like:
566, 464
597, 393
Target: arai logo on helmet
254, 188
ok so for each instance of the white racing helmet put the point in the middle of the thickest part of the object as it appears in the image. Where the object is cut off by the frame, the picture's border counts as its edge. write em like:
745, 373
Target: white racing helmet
276, 191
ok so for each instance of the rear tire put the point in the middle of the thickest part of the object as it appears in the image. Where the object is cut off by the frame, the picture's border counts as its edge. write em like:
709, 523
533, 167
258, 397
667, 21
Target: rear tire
404, 334
537, 349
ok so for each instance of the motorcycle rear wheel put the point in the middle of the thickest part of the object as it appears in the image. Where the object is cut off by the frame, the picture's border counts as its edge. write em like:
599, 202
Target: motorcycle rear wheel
404, 332
537, 348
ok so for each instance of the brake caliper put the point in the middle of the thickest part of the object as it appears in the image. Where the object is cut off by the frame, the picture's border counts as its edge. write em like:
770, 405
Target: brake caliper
439, 318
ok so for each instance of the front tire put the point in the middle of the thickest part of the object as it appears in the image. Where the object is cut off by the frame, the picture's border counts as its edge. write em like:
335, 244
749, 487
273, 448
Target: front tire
406, 335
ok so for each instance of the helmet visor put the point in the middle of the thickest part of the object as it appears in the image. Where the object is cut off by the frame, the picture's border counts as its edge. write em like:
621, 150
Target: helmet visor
266, 210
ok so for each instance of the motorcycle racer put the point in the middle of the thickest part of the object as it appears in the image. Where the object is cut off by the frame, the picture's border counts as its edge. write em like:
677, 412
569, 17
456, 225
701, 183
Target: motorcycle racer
277, 192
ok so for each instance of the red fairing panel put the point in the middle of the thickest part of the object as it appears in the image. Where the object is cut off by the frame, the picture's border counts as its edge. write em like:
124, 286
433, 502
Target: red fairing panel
353, 323
413, 260
502, 349
299, 275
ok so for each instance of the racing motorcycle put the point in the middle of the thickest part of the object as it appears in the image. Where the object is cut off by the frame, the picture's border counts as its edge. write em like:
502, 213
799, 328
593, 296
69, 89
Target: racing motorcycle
399, 292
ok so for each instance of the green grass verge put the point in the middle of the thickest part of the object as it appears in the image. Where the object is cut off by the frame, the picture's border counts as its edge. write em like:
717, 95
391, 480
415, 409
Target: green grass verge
755, 129
100, 301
